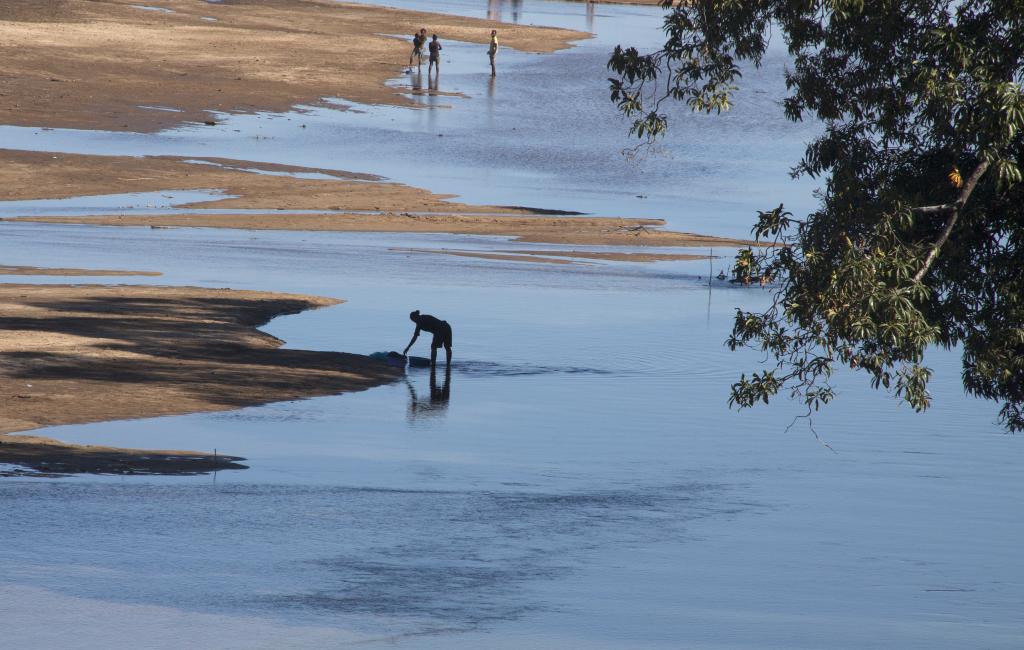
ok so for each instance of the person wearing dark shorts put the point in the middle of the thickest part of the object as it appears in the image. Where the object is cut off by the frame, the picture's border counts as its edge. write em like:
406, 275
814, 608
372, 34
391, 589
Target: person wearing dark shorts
435, 54
442, 332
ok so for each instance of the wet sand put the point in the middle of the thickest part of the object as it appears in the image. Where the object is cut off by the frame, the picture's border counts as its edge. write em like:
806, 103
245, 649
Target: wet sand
35, 270
595, 231
615, 256
485, 255
89, 353
111, 65
557, 257
46, 457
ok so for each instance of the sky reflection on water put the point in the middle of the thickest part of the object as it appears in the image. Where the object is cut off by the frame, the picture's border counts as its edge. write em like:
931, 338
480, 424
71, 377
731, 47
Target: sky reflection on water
579, 483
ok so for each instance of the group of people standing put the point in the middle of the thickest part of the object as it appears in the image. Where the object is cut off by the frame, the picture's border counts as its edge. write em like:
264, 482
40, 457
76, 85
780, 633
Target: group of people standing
419, 39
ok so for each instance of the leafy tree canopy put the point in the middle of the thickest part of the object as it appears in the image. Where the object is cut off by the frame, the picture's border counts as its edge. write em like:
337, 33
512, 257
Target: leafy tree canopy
918, 238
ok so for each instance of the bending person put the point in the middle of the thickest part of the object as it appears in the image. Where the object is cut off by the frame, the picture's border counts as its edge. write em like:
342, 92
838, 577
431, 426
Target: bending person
442, 332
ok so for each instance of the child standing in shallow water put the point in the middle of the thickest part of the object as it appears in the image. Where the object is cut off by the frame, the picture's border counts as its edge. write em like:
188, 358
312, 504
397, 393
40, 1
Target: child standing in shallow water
418, 39
435, 54
492, 50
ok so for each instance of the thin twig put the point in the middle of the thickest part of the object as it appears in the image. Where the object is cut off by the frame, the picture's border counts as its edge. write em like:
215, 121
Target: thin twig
810, 425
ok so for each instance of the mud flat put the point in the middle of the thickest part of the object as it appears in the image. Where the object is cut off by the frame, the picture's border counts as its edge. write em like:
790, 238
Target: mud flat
111, 65
89, 353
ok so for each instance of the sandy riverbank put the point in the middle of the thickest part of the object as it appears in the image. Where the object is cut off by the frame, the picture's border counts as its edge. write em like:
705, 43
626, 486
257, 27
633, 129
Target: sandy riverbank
89, 353
107, 64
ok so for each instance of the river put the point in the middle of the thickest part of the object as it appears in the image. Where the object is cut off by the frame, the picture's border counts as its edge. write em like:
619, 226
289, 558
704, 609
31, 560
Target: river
577, 482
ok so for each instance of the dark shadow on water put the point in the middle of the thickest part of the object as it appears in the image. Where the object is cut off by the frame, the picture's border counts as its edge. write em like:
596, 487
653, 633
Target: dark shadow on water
43, 460
544, 211
497, 369
461, 561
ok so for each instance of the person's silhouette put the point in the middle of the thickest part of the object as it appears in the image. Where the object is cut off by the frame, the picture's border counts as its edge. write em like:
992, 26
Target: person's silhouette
442, 332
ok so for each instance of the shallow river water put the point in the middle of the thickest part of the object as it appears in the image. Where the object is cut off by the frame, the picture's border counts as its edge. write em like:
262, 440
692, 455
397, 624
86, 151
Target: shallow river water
577, 482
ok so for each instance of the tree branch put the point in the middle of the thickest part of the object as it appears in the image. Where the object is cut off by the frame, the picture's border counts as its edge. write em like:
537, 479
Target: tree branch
932, 209
961, 200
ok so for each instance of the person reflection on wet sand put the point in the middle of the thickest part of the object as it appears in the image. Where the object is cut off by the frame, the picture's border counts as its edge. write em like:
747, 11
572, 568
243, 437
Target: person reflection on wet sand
434, 406
416, 83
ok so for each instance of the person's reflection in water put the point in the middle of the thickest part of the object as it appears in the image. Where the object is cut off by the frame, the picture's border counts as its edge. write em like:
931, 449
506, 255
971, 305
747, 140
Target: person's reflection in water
434, 406
490, 101
416, 80
590, 15
496, 9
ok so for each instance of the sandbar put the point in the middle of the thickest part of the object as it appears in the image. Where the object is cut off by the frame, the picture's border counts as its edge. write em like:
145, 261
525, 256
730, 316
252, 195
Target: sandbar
615, 256
30, 175
487, 255
595, 231
573, 257
88, 353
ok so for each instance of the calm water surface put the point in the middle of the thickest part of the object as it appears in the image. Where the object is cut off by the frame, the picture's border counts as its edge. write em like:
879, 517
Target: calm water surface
580, 482
577, 482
